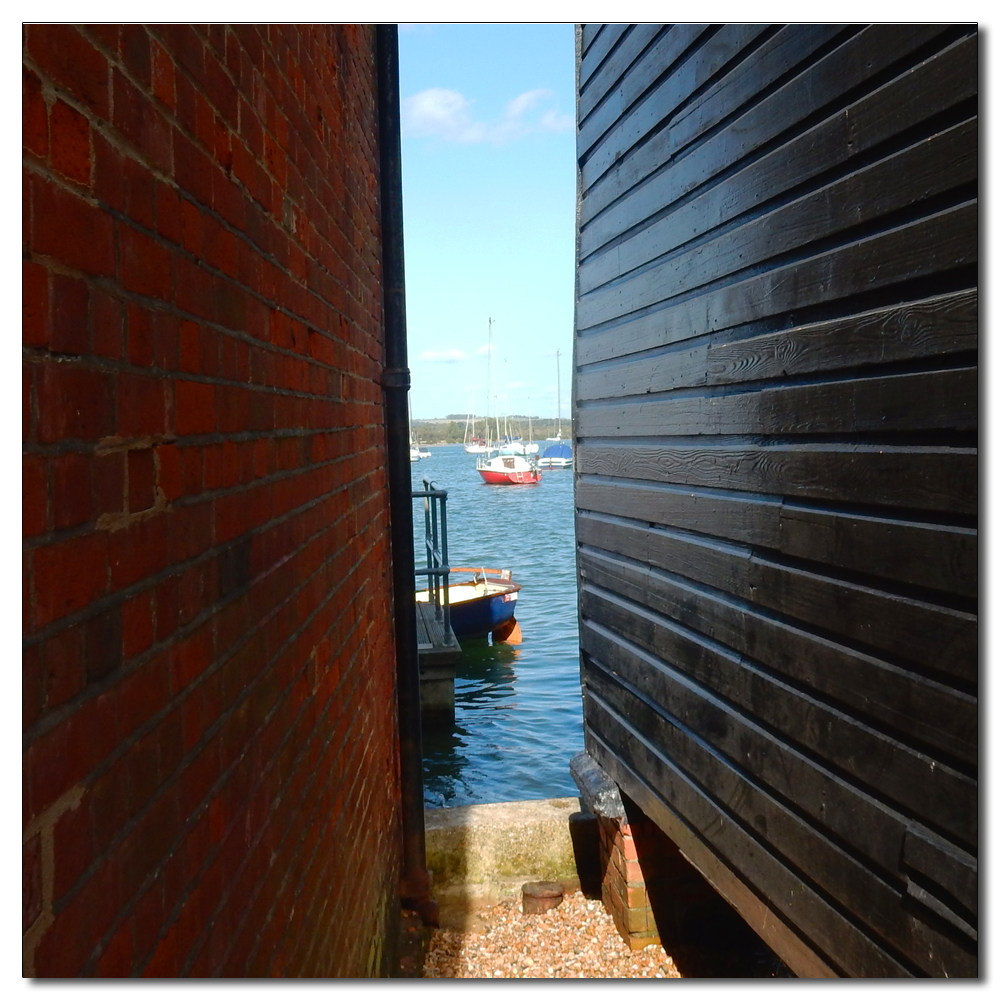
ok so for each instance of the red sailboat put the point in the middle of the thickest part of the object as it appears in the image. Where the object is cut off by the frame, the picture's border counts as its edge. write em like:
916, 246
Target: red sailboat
508, 470
500, 465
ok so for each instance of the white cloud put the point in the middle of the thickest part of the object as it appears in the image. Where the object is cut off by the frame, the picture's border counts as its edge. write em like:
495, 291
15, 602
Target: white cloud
448, 356
484, 350
447, 114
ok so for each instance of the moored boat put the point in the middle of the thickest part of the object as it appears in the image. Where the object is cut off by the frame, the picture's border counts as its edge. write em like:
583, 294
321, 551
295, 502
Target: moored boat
508, 470
556, 456
482, 605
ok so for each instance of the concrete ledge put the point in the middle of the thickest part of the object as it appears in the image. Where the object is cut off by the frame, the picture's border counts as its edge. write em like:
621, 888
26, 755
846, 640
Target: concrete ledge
481, 854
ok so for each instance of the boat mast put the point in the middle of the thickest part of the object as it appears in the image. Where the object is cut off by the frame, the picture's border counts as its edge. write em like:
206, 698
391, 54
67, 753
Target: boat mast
558, 401
496, 404
506, 403
490, 376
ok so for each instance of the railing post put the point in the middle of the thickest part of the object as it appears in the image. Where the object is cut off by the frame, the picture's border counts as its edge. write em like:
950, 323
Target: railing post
444, 560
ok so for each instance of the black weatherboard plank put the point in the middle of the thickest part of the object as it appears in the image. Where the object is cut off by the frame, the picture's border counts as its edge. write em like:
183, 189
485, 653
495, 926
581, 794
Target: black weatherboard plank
775, 428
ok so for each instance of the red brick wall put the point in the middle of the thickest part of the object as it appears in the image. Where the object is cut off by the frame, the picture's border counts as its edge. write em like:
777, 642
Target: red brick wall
210, 765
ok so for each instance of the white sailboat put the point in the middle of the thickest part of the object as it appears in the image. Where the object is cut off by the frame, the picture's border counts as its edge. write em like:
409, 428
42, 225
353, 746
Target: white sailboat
559, 454
473, 444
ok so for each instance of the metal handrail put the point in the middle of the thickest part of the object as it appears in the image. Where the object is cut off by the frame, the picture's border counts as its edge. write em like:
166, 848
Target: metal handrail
436, 546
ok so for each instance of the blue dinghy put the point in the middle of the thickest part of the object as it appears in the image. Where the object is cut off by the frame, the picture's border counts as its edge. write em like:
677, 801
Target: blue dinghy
482, 605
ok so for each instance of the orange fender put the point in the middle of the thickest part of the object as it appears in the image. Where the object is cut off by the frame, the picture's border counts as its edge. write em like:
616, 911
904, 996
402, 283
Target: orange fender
510, 632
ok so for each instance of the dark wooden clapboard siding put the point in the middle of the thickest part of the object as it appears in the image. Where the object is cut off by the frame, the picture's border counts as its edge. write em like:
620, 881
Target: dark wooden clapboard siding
775, 420
638, 186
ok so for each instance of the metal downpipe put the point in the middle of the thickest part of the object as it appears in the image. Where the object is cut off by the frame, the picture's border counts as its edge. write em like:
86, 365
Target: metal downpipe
415, 881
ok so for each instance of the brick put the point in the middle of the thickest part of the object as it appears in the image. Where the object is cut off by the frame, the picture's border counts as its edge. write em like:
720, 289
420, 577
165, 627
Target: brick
191, 657
193, 470
68, 576
145, 264
34, 305
168, 212
69, 135
177, 326
191, 227
71, 492
73, 849
138, 551
141, 479
102, 644
163, 75
63, 949
74, 403
166, 608
71, 230
63, 666
136, 55
109, 173
65, 755
141, 343
32, 686
166, 338
170, 471
149, 133
164, 962
147, 845
146, 690
194, 407
34, 495
108, 325
141, 406
31, 882
116, 959
190, 347
137, 624
34, 115
140, 194
147, 923
70, 315
109, 483
72, 61
196, 590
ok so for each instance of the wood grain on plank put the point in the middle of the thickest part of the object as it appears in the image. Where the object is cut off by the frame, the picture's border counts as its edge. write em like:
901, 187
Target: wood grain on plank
938, 795
782, 889
932, 244
925, 328
629, 50
927, 555
916, 477
851, 64
800, 956
694, 748
935, 637
914, 709
935, 400
642, 74
902, 179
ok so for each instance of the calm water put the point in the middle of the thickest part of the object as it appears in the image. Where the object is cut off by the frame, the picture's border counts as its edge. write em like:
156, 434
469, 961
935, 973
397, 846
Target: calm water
518, 716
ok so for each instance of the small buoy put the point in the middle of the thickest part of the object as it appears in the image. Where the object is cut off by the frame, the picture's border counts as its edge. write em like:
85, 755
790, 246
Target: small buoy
537, 897
510, 631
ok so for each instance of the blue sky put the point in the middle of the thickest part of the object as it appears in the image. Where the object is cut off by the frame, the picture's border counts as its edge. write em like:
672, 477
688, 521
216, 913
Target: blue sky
489, 201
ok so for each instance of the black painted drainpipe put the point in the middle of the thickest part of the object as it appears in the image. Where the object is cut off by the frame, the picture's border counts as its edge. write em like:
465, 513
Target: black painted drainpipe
414, 881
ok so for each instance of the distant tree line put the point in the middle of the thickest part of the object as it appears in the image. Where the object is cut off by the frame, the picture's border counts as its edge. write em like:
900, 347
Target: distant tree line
451, 430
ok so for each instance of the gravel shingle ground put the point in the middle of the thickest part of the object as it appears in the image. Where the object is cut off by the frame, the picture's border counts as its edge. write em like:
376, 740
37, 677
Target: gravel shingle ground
577, 940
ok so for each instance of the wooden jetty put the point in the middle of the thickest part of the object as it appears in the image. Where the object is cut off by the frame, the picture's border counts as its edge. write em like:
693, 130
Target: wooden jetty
438, 651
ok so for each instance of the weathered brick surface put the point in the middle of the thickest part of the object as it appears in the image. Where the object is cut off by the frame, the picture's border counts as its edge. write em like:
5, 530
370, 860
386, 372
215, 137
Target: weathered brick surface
210, 765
